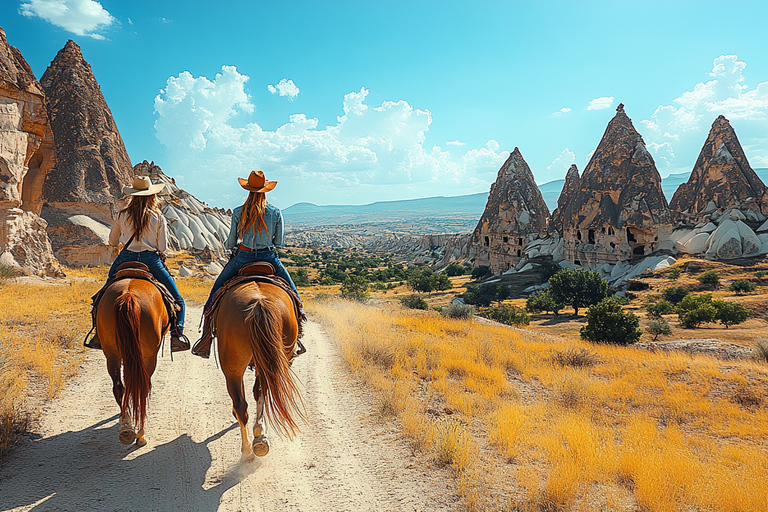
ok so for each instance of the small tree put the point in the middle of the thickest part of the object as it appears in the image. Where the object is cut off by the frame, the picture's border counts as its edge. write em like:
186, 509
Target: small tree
730, 313
299, 276
695, 310
454, 269
481, 272
674, 274
480, 295
458, 310
741, 286
658, 327
414, 302
509, 315
355, 287
578, 288
607, 322
674, 294
710, 278
663, 307
543, 301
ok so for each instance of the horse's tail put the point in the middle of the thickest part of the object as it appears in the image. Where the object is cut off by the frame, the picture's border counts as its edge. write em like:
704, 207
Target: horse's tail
135, 375
281, 395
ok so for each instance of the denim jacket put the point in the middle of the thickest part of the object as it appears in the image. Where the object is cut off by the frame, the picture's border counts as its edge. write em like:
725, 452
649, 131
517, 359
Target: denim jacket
252, 238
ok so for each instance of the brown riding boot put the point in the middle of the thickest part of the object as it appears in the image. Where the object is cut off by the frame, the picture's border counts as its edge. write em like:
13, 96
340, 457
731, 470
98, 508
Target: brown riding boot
93, 342
202, 347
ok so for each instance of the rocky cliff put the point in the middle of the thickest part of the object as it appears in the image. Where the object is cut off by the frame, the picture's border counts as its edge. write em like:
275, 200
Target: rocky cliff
81, 192
567, 196
619, 211
721, 177
515, 212
26, 155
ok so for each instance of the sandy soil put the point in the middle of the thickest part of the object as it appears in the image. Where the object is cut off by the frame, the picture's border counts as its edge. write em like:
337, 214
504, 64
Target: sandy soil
346, 459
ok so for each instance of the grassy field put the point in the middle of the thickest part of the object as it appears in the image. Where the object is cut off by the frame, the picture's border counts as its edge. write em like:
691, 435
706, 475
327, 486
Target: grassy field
532, 422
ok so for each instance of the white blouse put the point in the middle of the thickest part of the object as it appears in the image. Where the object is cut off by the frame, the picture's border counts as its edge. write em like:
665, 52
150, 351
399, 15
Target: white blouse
154, 238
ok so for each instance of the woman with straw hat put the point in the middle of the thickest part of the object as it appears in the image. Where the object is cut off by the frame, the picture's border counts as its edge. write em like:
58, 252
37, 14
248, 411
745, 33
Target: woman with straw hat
257, 229
143, 231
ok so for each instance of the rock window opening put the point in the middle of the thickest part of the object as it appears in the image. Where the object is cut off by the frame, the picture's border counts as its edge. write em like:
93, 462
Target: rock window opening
506, 239
487, 242
630, 236
578, 235
591, 236
639, 250
602, 230
610, 231
519, 252
577, 262
519, 241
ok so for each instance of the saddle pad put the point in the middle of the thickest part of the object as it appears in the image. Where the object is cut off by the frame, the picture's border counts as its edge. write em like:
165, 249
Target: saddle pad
259, 267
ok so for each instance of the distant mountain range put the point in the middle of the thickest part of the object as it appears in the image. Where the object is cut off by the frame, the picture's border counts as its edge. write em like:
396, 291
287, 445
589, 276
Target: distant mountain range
454, 212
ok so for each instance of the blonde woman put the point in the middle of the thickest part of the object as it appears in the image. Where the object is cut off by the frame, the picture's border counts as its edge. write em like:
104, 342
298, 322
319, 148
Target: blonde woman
143, 231
257, 229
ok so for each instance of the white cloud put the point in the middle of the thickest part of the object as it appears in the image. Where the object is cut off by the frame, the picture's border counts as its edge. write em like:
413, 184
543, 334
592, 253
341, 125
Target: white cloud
562, 111
600, 103
284, 87
80, 17
559, 166
455, 143
370, 152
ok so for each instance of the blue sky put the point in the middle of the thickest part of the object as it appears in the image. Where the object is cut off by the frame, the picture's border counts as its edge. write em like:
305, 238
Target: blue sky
354, 102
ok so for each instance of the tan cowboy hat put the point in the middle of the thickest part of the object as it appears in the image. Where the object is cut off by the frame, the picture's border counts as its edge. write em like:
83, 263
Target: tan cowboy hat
142, 186
256, 182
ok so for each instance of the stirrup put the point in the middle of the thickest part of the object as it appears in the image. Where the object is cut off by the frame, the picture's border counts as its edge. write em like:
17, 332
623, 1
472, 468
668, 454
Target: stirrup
179, 343
202, 346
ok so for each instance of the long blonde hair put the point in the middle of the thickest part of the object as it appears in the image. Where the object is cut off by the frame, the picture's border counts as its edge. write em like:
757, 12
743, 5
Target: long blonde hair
252, 214
138, 209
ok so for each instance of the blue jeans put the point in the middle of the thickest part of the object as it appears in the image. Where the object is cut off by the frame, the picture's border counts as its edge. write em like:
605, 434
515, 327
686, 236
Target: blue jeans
242, 259
158, 270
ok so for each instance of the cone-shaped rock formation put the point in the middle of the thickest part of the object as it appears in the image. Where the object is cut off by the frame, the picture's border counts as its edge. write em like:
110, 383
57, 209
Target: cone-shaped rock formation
515, 212
26, 155
620, 211
567, 196
721, 178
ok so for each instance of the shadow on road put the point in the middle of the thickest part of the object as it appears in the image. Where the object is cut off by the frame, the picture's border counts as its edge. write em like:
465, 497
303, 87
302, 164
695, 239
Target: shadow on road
90, 470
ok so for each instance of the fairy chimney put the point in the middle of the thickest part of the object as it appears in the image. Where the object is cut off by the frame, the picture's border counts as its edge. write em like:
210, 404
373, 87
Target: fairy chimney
721, 177
567, 195
26, 155
619, 212
515, 214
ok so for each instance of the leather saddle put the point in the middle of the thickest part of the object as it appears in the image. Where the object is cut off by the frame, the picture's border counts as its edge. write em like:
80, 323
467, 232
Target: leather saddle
257, 268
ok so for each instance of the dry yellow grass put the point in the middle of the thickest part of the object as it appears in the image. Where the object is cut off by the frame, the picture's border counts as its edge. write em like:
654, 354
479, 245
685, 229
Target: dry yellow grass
635, 430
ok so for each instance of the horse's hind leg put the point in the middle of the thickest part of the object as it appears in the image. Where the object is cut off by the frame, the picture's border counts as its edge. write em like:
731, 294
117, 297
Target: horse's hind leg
240, 410
127, 434
260, 444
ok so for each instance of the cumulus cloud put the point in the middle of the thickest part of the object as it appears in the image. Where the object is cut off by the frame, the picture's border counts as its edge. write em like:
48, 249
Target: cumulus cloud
600, 103
562, 111
559, 166
455, 143
284, 87
80, 17
685, 122
370, 152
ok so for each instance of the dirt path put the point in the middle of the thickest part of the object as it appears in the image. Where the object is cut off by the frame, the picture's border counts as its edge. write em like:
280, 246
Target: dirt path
344, 460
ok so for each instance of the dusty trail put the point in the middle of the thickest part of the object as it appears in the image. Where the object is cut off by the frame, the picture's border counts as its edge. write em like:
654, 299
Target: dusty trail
343, 460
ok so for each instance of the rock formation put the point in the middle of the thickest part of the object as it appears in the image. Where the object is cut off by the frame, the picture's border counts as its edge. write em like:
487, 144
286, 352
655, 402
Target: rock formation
26, 155
620, 212
567, 196
721, 177
81, 192
515, 214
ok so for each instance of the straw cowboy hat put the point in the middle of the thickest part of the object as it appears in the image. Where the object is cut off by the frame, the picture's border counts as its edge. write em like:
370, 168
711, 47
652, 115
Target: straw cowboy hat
256, 182
142, 186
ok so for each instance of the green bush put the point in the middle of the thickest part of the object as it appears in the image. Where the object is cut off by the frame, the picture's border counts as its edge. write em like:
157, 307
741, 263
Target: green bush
426, 280
543, 301
695, 310
674, 274
710, 278
578, 288
674, 294
663, 307
657, 327
761, 274
484, 294
459, 311
300, 277
742, 286
414, 302
730, 313
607, 322
7, 272
355, 287
509, 315
481, 272
454, 269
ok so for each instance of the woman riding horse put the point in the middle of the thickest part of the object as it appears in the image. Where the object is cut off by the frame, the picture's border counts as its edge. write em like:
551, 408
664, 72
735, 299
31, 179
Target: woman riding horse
259, 227
143, 231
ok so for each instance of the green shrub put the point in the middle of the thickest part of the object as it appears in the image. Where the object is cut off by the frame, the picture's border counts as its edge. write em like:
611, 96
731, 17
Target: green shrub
481, 272
509, 315
607, 322
657, 327
695, 310
674, 294
414, 302
484, 294
543, 301
663, 307
454, 269
742, 286
730, 313
300, 277
674, 274
578, 288
7, 272
761, 274
355, 288
459, 311
710, 278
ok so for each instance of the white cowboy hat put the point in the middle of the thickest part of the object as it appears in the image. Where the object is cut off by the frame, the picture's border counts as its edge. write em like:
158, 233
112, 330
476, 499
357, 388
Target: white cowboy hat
142, 186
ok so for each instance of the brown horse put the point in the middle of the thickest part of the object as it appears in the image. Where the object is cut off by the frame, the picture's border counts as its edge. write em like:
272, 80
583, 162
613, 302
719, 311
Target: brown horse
131, 321
256, 325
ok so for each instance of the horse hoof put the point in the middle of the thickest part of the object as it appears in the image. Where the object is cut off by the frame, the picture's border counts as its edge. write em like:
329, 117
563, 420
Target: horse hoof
127, 436
260, 446
140, 441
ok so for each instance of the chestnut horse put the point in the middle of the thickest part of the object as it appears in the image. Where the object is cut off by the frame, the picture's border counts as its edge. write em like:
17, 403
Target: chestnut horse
131, 321
256, 325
